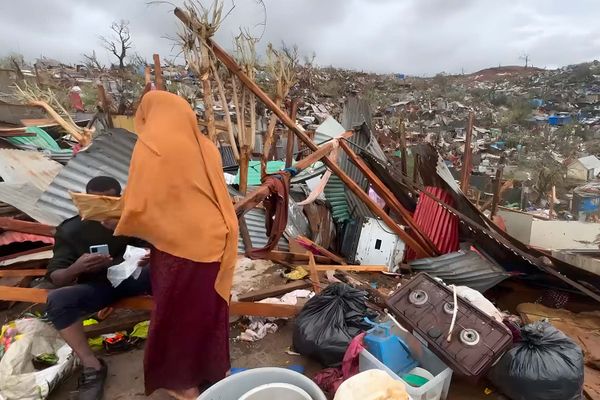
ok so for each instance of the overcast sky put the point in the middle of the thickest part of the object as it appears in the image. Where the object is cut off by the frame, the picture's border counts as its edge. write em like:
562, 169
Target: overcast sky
411, 36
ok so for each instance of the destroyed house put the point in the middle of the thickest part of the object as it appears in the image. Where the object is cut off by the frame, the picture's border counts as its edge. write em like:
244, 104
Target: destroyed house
584, 168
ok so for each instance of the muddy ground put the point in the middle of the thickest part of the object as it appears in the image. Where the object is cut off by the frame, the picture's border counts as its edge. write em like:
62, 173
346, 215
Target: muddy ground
126, 380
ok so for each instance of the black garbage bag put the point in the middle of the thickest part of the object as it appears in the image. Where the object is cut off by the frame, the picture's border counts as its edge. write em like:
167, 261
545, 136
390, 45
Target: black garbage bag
545, 365
328, 322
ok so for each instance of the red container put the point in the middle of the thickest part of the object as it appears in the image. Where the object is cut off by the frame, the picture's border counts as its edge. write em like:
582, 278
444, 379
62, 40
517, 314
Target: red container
425, 306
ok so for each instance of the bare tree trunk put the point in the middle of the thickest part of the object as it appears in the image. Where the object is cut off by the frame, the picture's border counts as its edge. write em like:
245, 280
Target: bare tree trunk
209, 112
267, 142
225, 106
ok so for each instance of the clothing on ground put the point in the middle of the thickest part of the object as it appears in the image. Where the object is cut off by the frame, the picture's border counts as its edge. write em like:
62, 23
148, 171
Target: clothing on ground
188, 342
66, 305
176, 197
73, 239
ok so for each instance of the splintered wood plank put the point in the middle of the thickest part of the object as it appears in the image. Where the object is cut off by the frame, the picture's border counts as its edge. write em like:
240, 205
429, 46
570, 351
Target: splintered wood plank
274, 291
16, 273
314, 275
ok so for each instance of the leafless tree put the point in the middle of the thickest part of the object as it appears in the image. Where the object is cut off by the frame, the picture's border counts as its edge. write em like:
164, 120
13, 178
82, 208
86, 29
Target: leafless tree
119, 41
91, 61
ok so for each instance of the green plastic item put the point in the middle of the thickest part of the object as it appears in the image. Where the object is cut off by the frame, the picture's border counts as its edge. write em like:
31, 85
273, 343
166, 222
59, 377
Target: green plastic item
41, 140
414, 380
254, 171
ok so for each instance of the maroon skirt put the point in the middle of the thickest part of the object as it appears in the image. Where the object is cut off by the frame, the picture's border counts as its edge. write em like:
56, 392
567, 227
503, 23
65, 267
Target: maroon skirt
188, 341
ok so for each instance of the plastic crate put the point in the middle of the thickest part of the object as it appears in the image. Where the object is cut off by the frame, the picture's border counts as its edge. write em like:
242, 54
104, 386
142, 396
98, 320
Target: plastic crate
436, 389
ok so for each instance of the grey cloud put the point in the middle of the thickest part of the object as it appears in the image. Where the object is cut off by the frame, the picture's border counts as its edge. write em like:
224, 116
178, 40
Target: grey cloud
411, 36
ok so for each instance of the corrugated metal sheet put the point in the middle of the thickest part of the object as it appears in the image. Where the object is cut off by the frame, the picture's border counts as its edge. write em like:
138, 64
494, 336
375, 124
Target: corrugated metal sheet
335, 193
465, 268
9, 237
26, 175
255, 221
227, 157
109, 155
19, 166
435, 222
356, 111
24, 197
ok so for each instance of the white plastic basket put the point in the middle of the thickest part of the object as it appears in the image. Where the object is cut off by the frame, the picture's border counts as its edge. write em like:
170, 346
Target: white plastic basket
436, 389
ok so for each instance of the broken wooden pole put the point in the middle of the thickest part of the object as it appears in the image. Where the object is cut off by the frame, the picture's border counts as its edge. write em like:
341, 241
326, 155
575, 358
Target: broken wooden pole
245, 235
158, 76
497, 188
467, 156
246, 204
233, 66
243, 171
551, 205
39, 296
147, 75
105, 105
403, 166
314, 275
289, 148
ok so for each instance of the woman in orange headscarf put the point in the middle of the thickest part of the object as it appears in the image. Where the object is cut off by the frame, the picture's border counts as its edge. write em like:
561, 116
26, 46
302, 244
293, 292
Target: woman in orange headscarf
176, 199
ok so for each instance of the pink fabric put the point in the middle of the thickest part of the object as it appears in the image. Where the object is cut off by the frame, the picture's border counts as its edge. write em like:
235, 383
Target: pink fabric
321, 186
375, 197
330, 379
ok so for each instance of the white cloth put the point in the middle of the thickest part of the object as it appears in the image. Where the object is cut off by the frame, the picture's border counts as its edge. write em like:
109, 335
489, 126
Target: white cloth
129, 267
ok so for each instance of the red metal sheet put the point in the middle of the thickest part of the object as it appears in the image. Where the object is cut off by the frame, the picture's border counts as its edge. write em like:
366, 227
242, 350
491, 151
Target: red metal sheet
9, 237
437, 223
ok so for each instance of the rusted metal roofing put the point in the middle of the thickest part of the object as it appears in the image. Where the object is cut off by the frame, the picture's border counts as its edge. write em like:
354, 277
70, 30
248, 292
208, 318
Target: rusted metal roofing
25, 175
109, 154
9, 237
20, 166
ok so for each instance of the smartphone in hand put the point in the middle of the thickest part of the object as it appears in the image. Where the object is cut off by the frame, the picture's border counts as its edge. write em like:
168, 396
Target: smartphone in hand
100, 249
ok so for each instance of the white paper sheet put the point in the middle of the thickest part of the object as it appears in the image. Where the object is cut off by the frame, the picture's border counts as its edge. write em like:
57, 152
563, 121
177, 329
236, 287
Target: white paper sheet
129, 267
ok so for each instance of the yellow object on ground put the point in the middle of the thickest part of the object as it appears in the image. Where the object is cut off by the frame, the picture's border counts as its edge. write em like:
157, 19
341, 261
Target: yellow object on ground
297, 273
373, 384
140, 330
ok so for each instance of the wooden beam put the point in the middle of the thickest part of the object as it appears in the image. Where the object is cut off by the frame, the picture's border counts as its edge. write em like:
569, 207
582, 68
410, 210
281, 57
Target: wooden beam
235, 69
293, 258
289, 150
250, 201
497, 188
274, 291
403, 161
105, 105
158, 76
9, 273
147, 75
320, 250
314, 275
467, 156
245, 235
34, 228
116, 324
351, 268
32, 295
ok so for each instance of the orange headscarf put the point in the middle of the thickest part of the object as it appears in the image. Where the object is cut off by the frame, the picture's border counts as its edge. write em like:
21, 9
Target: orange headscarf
176, 197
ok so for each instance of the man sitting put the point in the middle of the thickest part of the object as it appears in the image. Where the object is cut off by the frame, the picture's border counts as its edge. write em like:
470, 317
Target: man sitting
83, 287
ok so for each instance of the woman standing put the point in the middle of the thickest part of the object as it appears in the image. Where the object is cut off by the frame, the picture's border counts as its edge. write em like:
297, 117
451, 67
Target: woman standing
176, 199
